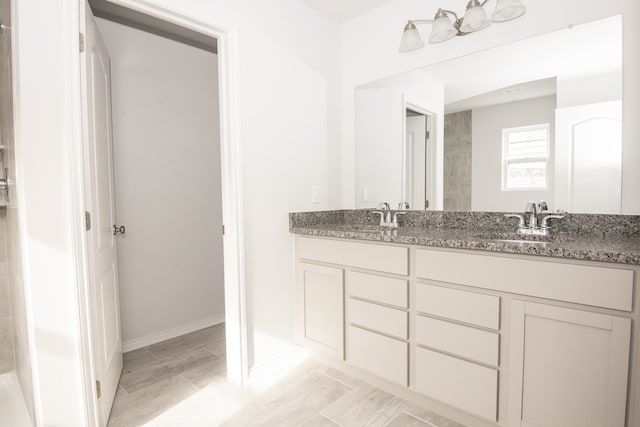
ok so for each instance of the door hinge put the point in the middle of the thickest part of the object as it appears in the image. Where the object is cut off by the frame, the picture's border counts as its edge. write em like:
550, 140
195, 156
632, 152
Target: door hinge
81, 42
87, 220
427, 135
426, 204
223, 229
98, 389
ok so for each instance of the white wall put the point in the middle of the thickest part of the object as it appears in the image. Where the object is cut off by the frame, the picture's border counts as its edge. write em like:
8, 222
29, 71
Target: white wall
486, 153
288, 110
589, 89
379, 133
166, 136
288, 113
48, 153
369, 52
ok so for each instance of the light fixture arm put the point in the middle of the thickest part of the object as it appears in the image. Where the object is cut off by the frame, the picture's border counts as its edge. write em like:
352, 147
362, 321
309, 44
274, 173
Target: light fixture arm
457, 21
447, 24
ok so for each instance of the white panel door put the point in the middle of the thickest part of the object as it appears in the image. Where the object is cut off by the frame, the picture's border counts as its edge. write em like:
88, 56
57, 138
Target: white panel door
100, 201
415, 166
589, 158
568, 367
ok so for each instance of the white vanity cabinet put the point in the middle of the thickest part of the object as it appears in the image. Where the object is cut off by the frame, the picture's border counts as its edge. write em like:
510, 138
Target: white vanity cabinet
568, 367
321, 297
458, 345
507, 340
376, 299
378, 325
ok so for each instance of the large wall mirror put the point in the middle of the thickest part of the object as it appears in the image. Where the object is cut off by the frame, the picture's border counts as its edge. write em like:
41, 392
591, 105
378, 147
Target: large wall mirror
539, 119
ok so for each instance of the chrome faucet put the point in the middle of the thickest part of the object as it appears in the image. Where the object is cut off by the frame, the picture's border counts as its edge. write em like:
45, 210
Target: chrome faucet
384, 211
387, 218
394, 222
532, 210
532, 228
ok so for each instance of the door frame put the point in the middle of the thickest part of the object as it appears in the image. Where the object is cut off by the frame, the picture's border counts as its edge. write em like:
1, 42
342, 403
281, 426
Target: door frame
430, 149
232, 208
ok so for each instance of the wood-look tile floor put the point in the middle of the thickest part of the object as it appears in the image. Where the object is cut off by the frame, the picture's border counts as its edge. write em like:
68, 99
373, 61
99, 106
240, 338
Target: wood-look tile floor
182, 383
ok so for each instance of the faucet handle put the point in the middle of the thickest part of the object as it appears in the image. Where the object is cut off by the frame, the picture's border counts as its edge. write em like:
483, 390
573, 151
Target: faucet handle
383, 206
520, 218
546, 219
395, 217
531, 207
403, 205
381, 216
543, 206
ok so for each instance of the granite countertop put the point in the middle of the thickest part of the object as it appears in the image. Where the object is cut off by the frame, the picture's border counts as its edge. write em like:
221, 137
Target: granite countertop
614, 247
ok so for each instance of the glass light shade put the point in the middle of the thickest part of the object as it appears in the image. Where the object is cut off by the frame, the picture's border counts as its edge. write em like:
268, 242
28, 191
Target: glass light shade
475, 19
411, 39
442, 30
506, 10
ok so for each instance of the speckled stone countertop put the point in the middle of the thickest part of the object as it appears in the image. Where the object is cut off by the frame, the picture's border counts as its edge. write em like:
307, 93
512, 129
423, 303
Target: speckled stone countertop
608, 238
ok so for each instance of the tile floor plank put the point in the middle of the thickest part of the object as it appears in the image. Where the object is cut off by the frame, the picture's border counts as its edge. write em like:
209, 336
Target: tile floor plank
365, 406
187, 342
294, 407
156, 370
144, 405
405, 420
217, 347
182, 383
320, 421
137, 358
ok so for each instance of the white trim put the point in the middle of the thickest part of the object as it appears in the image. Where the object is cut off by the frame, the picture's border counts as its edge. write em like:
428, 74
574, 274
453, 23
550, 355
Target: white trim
78, 207
167, 334
279, 363
430, 151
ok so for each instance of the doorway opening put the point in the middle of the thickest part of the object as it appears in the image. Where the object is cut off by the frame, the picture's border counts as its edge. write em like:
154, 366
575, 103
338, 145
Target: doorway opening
171, 166
418, 158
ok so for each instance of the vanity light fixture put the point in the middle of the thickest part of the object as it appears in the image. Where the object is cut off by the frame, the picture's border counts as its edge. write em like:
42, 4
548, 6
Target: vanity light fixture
475, 19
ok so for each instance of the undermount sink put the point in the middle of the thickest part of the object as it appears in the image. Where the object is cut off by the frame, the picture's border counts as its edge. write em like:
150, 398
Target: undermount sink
522, 242
529, 239
362, 228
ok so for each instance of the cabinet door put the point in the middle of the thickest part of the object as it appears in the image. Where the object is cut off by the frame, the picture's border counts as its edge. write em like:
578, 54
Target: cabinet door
321, 298
568, 367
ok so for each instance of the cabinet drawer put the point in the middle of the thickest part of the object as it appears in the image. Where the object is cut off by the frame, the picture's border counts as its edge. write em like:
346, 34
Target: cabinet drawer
463, 306
384, 319
377, 257
465, 385
377, 288
581, 284
475, 344
386, 357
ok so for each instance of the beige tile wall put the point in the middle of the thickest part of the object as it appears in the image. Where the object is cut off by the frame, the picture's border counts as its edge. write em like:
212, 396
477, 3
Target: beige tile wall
6, 134
13, 319
6, 321
457, 161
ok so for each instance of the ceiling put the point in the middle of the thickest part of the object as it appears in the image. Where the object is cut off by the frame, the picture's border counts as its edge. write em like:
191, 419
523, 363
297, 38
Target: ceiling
343, 10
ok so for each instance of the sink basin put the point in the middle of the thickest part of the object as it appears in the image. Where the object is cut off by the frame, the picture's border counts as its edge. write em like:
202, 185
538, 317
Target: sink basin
524, 238
523, 242
362, 228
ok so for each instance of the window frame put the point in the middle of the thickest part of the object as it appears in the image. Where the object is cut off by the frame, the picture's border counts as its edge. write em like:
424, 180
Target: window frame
506, 162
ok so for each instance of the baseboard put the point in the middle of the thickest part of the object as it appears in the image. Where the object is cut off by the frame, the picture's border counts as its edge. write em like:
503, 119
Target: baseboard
278, 363
171, 333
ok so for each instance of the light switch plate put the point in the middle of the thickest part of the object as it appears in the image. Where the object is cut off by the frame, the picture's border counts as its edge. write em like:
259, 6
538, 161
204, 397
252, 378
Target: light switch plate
315, 194
365, 194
